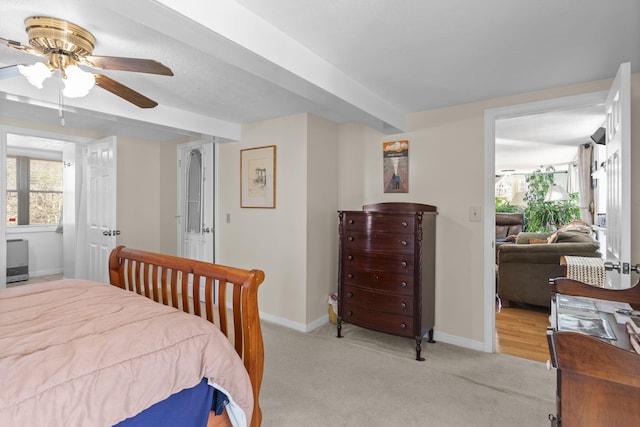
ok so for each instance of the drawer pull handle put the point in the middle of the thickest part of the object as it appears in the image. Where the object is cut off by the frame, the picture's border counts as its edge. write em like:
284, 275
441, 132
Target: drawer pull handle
403, 263
349, 313
403, 284
403, 305
403, 326
351, 239
350, 294
350, 258
350, 276
404, 223
404, 243
351, 221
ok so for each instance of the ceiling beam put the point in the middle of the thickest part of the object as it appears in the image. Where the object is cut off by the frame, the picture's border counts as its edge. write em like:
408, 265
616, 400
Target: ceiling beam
230, 32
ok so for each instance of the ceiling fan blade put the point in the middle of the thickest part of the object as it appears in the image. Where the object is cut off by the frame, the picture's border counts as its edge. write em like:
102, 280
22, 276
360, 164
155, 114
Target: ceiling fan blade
18, 46
9, 72
127, 64
124, 92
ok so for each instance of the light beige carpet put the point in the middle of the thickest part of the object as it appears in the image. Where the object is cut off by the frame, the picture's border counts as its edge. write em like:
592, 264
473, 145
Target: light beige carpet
372, 379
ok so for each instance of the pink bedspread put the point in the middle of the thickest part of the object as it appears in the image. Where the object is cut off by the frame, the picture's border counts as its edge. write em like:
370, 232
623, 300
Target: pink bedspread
79, 353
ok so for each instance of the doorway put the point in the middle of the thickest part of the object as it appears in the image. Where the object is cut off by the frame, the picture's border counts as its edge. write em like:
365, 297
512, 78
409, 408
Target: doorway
52, 241
491, 116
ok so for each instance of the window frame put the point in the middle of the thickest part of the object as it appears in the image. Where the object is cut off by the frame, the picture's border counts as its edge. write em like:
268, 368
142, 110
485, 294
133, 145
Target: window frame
23, 189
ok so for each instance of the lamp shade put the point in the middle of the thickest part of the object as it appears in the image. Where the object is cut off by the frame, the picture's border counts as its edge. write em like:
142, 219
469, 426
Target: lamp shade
519, 199
556, 193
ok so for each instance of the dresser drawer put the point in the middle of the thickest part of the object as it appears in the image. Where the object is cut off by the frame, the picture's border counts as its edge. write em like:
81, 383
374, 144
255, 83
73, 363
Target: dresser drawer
378, 320
397, 284
379, 241
361, 221
377, 261
367, 298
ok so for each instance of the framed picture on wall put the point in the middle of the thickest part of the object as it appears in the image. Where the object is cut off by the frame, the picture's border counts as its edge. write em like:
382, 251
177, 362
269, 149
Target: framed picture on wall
258, 177
395, 165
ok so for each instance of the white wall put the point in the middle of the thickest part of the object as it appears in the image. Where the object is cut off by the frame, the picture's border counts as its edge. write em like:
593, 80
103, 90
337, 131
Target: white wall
272, 240
138, 194
322, 218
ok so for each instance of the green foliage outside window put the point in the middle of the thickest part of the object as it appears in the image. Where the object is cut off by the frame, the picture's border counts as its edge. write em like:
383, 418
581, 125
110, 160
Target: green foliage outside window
34, 191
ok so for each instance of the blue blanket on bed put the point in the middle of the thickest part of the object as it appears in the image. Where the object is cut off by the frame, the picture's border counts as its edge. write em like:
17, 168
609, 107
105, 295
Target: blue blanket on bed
187, 408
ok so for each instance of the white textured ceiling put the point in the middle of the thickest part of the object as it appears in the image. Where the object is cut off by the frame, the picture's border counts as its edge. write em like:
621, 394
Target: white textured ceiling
366, 61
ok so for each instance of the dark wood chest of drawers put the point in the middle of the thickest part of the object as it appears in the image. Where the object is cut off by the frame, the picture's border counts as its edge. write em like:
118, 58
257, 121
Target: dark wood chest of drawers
387, 269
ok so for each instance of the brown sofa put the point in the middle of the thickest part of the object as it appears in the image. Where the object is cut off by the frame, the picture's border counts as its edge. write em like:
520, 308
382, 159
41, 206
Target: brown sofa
524, 269
508, 224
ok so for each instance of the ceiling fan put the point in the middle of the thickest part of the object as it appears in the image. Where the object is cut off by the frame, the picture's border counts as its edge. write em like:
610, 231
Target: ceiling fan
66, 46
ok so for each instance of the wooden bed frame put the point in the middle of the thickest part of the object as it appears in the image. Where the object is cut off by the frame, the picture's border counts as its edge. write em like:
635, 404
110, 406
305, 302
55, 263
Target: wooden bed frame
168, 280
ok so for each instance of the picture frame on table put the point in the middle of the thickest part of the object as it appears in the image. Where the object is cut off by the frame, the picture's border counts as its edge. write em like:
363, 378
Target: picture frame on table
258, 177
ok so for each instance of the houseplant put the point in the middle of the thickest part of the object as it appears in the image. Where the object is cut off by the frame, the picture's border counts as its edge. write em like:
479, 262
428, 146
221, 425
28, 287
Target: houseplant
547, 216
503, 205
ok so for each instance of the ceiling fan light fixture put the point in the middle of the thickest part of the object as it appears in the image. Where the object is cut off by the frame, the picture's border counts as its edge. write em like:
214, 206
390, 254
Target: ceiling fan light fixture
36, 74
77, 83
68, 45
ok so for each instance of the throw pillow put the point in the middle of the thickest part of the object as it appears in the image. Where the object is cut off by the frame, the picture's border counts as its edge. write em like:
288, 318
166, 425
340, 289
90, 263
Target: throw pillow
577, 226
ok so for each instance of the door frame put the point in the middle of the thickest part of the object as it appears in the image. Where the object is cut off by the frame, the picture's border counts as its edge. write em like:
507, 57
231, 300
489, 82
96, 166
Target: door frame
490, 117
4, 130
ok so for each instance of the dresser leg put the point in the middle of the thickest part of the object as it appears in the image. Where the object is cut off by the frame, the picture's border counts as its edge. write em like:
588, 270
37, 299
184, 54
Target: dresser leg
339, 326
431, 340
419, 349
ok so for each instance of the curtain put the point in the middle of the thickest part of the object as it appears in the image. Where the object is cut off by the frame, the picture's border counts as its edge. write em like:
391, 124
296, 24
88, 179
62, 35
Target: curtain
585, 155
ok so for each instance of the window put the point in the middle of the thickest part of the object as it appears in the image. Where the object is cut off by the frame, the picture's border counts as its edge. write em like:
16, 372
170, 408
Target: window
34, 191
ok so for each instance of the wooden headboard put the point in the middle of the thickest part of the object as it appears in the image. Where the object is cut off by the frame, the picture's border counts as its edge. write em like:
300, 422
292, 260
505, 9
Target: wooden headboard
169, 280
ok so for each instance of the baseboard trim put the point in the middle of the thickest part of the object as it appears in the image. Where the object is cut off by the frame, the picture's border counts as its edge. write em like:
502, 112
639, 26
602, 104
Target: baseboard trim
300, 327
458, 341
49, 272
437, 335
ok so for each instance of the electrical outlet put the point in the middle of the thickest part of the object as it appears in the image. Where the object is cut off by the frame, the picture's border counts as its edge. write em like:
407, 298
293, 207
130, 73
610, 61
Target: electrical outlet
474, 213
228, 218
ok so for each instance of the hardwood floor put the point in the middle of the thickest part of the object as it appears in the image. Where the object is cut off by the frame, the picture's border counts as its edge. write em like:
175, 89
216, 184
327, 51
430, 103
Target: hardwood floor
522, 331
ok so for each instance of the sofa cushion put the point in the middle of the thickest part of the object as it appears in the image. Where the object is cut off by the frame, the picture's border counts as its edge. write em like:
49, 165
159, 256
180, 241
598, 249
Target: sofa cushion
507, 224
573, 237
501, 232
574, 226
